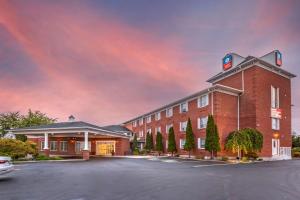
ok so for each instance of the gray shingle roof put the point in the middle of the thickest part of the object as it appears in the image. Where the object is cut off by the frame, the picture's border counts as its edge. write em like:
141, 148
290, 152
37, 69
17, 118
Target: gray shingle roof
116, 128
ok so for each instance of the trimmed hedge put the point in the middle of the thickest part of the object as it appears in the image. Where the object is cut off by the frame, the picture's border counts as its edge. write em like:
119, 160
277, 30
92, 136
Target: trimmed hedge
16, 148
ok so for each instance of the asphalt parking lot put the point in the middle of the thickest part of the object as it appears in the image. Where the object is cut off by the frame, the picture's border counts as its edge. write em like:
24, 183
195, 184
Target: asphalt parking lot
141, 179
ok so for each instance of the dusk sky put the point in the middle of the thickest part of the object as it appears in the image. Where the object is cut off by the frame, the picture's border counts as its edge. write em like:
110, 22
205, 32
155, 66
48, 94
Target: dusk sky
108, 61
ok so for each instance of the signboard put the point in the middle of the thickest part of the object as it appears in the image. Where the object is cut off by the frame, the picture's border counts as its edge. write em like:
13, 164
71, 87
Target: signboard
227, 62
276, 113
278, 58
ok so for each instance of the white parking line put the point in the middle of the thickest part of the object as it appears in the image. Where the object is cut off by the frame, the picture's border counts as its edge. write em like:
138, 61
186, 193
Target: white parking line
214, 165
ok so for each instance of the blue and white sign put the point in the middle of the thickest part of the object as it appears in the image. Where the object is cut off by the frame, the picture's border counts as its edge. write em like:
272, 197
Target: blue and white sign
227, 62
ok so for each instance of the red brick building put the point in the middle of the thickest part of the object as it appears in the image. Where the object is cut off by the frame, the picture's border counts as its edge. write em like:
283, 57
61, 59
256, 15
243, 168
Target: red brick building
249, 93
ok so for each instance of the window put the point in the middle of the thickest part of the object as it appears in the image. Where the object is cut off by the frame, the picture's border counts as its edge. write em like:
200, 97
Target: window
149, 130
80, 145
182, 126
168, 126
181, 143
158, 129
184, 107
63, 146
275, 123
274, 97
134, 123
141, 133
201, 143
53, 145
203, 101
157, 116
148, 119
169, 112
166, 144
42, 145
141, 121
202, 122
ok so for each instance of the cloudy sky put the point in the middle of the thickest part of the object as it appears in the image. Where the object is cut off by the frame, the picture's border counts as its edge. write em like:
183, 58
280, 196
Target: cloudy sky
108, 61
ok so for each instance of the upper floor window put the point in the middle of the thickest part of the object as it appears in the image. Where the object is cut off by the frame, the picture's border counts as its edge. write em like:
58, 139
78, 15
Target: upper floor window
169, 112
275, 123
148, 119
134, 123
141, 121
157, 129
202, 122
203, 101
168, 126
182, 126
141, 133
184, 107
274, 97
149, 130
157, 116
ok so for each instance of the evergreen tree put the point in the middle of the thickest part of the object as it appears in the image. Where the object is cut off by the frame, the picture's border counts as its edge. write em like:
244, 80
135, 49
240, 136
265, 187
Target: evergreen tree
148, 145
171, 141
159, 143
189, 138
212, 140
135, 144
151, 146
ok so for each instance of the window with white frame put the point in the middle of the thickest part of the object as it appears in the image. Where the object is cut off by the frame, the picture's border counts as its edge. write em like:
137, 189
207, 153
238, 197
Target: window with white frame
181, 143
134, 123
42, 145
275, 123
202, 122
53, 145
169, 112
149, 130
141, 121
168, 126
201, 143
183, 107
157, 129
63, 146
148, 119
157, 116
203, 101
182, 126
274, 97
141, 133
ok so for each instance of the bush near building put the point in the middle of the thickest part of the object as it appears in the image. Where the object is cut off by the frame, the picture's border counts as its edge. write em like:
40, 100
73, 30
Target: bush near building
17, 149
296, 152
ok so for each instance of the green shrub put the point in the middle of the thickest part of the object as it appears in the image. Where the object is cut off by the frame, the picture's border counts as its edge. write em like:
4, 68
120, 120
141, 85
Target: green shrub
224, 158
244, 159
252, 155
136, 152
43, 157
16, 148
296, 154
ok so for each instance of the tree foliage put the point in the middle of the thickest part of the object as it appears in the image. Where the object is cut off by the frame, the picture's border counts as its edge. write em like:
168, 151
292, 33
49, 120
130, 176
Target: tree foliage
212, 140
149, 142
295, 141
159, 143
135, 144
171, 141
16, 148
190, 139
15, 120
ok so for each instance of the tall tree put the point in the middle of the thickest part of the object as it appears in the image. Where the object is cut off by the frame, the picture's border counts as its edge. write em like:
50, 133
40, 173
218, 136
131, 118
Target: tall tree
189, 138
171, 141
9, 120
212, 140
135, 144
149, 142
159, 143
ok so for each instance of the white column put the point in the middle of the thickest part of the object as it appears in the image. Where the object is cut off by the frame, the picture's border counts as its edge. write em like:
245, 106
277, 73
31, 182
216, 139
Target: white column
86, 140
46, 141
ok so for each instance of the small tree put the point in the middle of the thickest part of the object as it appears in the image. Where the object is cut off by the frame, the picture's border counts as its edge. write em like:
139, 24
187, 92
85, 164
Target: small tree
159, 143
135, 144
149, 142
171, 141
212, 140
238, 141
189, 140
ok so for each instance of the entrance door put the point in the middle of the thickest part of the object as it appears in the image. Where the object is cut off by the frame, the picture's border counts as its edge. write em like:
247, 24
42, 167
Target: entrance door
105, 148
275, 147
79, 146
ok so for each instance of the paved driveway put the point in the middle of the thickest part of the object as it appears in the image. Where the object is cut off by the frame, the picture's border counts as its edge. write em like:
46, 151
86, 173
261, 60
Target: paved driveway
139, 179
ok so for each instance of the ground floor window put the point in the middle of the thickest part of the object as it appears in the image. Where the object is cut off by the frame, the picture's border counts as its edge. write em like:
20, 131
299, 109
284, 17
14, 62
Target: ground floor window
63, 146
42, 145
53, 145
201, 143
80, 145
181, 143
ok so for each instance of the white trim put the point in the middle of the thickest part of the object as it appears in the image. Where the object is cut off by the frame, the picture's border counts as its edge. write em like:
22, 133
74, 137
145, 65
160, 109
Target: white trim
46, 141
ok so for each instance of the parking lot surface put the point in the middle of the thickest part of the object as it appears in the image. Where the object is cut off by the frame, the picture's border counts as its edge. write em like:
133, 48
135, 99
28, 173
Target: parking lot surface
141, 179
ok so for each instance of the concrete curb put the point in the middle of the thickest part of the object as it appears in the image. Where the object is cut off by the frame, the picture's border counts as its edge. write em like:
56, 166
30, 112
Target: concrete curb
45, 161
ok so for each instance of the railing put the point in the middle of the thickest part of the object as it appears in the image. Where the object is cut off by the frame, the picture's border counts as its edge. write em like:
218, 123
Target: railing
285, 151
